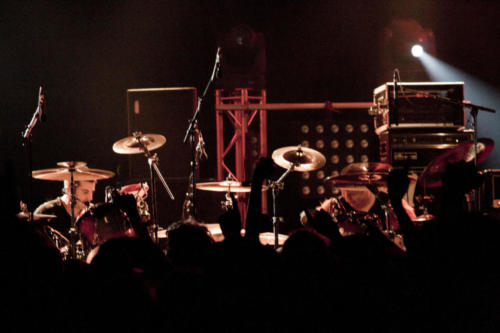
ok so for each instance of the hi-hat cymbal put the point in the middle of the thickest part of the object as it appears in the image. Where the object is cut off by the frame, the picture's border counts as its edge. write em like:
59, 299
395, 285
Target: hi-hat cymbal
361, 174
300, 158
223, 186
130, 145
431, 176
79, 174
36, 217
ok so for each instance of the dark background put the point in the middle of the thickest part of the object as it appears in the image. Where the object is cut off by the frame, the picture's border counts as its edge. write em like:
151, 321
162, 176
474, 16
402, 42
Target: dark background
85, 54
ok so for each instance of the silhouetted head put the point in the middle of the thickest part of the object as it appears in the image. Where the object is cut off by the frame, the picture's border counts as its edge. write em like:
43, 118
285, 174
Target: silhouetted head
188, 243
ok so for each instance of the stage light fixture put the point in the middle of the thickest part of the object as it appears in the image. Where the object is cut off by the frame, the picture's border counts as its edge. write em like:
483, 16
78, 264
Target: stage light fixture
417, 50
320, 144
320, 190
306, 190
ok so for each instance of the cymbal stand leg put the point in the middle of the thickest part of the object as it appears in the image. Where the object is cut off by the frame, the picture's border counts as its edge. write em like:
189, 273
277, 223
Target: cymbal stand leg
153, 201
153, 166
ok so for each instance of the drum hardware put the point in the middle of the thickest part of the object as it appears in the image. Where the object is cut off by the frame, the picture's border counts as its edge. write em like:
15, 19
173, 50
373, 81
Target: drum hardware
137, 144
292, 158
72, 171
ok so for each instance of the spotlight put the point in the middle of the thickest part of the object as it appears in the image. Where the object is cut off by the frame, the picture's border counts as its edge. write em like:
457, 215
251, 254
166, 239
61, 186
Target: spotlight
417, 50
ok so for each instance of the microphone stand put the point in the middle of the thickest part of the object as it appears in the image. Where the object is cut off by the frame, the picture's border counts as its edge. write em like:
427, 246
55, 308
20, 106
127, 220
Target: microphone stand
474, 110
153, 166
193, 132
38, 116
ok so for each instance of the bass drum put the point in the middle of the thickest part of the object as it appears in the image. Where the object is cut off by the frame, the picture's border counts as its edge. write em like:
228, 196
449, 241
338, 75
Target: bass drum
101, 223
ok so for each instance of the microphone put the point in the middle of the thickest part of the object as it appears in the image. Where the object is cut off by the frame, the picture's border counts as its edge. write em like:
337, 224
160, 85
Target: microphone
395, 95
395, 81
41, 105
218, 61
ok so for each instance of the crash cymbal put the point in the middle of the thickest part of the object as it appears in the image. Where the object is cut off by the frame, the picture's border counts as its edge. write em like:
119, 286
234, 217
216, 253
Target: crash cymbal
130, 145
79, 174
301, 158
361, 174
431, 176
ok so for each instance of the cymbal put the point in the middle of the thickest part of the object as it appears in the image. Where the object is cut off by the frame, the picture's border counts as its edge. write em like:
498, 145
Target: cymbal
424, 218
361, 174
79, 174
301, 158
130, 145
36, 217
223, 186
431, 176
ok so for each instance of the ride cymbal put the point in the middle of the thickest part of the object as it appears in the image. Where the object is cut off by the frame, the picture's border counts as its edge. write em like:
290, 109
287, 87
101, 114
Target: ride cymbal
300, 158
431, 176
134, 145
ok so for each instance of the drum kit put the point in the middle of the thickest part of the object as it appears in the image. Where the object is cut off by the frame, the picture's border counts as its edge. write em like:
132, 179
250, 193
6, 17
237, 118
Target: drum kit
101, 222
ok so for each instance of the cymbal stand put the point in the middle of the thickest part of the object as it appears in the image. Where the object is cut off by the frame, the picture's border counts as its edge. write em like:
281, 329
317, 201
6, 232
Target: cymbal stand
193, 132
474, 110
38, 116
153, 166
72, 230
276, 186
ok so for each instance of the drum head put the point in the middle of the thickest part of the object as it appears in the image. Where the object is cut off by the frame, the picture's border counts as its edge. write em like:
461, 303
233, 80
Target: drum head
103, 222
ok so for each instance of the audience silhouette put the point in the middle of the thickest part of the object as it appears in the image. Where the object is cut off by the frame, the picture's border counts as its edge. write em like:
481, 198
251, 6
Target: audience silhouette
446, 277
